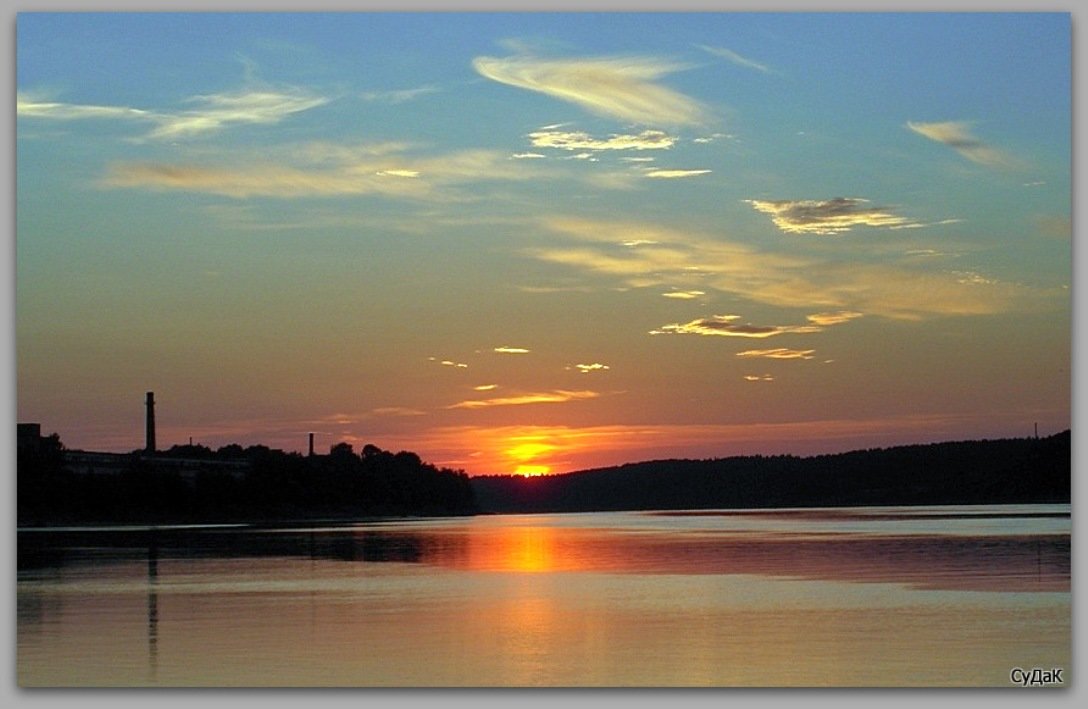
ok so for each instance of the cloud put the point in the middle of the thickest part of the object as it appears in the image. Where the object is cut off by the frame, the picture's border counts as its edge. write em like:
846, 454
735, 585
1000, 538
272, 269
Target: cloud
778, 353
835, 318
397, 173
553, 397
674, 174
758, 378
486, 387
685, 260
595, 367
569, 140
247, 107
398, 96
510, 350
723, 325
528, 156
30, 107
327, 171
832, 216
684, 294
397, 411
213, 112
615, 87
735, 58
957, 135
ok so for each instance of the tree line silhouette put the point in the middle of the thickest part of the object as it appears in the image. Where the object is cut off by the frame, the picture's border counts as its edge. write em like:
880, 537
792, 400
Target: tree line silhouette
1028, 470
256, 483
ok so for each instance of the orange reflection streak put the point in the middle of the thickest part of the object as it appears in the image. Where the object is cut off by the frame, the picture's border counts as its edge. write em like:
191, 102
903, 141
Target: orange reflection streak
529, 549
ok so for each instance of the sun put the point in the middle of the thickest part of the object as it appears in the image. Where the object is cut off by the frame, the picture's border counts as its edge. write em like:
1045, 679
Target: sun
532, 470
525, 452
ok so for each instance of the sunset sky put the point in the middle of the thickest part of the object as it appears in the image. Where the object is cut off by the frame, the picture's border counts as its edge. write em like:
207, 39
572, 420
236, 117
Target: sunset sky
544, 242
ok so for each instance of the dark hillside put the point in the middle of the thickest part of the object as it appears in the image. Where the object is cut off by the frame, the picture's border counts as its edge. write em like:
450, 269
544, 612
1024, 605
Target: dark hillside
969, 472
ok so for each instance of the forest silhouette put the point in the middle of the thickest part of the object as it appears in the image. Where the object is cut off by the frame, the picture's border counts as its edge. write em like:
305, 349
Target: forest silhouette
1007, 471
237, 484
259, 484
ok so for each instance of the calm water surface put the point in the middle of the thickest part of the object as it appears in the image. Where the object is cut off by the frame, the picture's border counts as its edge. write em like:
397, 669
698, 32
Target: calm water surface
936, 596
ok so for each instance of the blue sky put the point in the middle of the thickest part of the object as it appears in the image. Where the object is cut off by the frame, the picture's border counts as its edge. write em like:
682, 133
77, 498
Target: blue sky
539, 242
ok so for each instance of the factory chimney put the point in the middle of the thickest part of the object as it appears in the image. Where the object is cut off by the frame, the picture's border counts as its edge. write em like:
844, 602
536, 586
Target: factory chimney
150, 422
311, 445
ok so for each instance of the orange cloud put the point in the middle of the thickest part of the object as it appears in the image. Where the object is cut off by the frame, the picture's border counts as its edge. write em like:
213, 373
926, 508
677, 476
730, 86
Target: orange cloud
723, 325
552, 397
832, 216
778, 353
836, 318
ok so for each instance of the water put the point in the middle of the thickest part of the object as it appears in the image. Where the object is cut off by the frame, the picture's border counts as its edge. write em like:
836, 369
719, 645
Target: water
935, 596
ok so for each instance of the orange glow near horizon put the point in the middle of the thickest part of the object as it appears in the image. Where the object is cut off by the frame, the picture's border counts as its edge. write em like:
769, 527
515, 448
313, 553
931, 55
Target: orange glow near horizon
553, 450
530, 471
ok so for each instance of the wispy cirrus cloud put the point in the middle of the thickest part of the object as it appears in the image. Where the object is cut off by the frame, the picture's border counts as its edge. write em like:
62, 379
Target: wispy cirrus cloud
830, 216
510, 350
576, 140
558, 396
836, 318
212, 112
758, 378
398, 96
779, 353
735, 58
684, 294
957, 135
397, 411
595, 367
449, 363
691, 260
725, 326
324, 171
623, 88
665, 174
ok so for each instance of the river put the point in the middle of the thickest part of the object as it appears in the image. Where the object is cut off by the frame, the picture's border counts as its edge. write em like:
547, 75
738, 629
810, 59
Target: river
919, 596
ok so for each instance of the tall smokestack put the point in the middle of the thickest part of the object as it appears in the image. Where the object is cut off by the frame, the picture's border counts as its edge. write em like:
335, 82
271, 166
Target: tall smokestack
311, 445
150, 422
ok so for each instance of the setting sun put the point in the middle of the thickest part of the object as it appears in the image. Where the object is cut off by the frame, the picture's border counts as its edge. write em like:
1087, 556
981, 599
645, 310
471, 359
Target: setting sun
532, 470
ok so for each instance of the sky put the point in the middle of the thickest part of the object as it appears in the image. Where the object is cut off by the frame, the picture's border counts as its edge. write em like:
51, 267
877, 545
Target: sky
538, 243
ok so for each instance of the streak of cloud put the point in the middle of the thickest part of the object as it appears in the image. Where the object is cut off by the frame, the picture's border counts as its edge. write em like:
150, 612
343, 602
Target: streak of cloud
836, 318
832, 216
783, 279
735, 58
723, 325
510, 350
778, 353
214, 112
398, 96
684, 294
570, 140
397, 411
957, 135
558, 396
615, 87
326, 172
674, 174
595, 367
